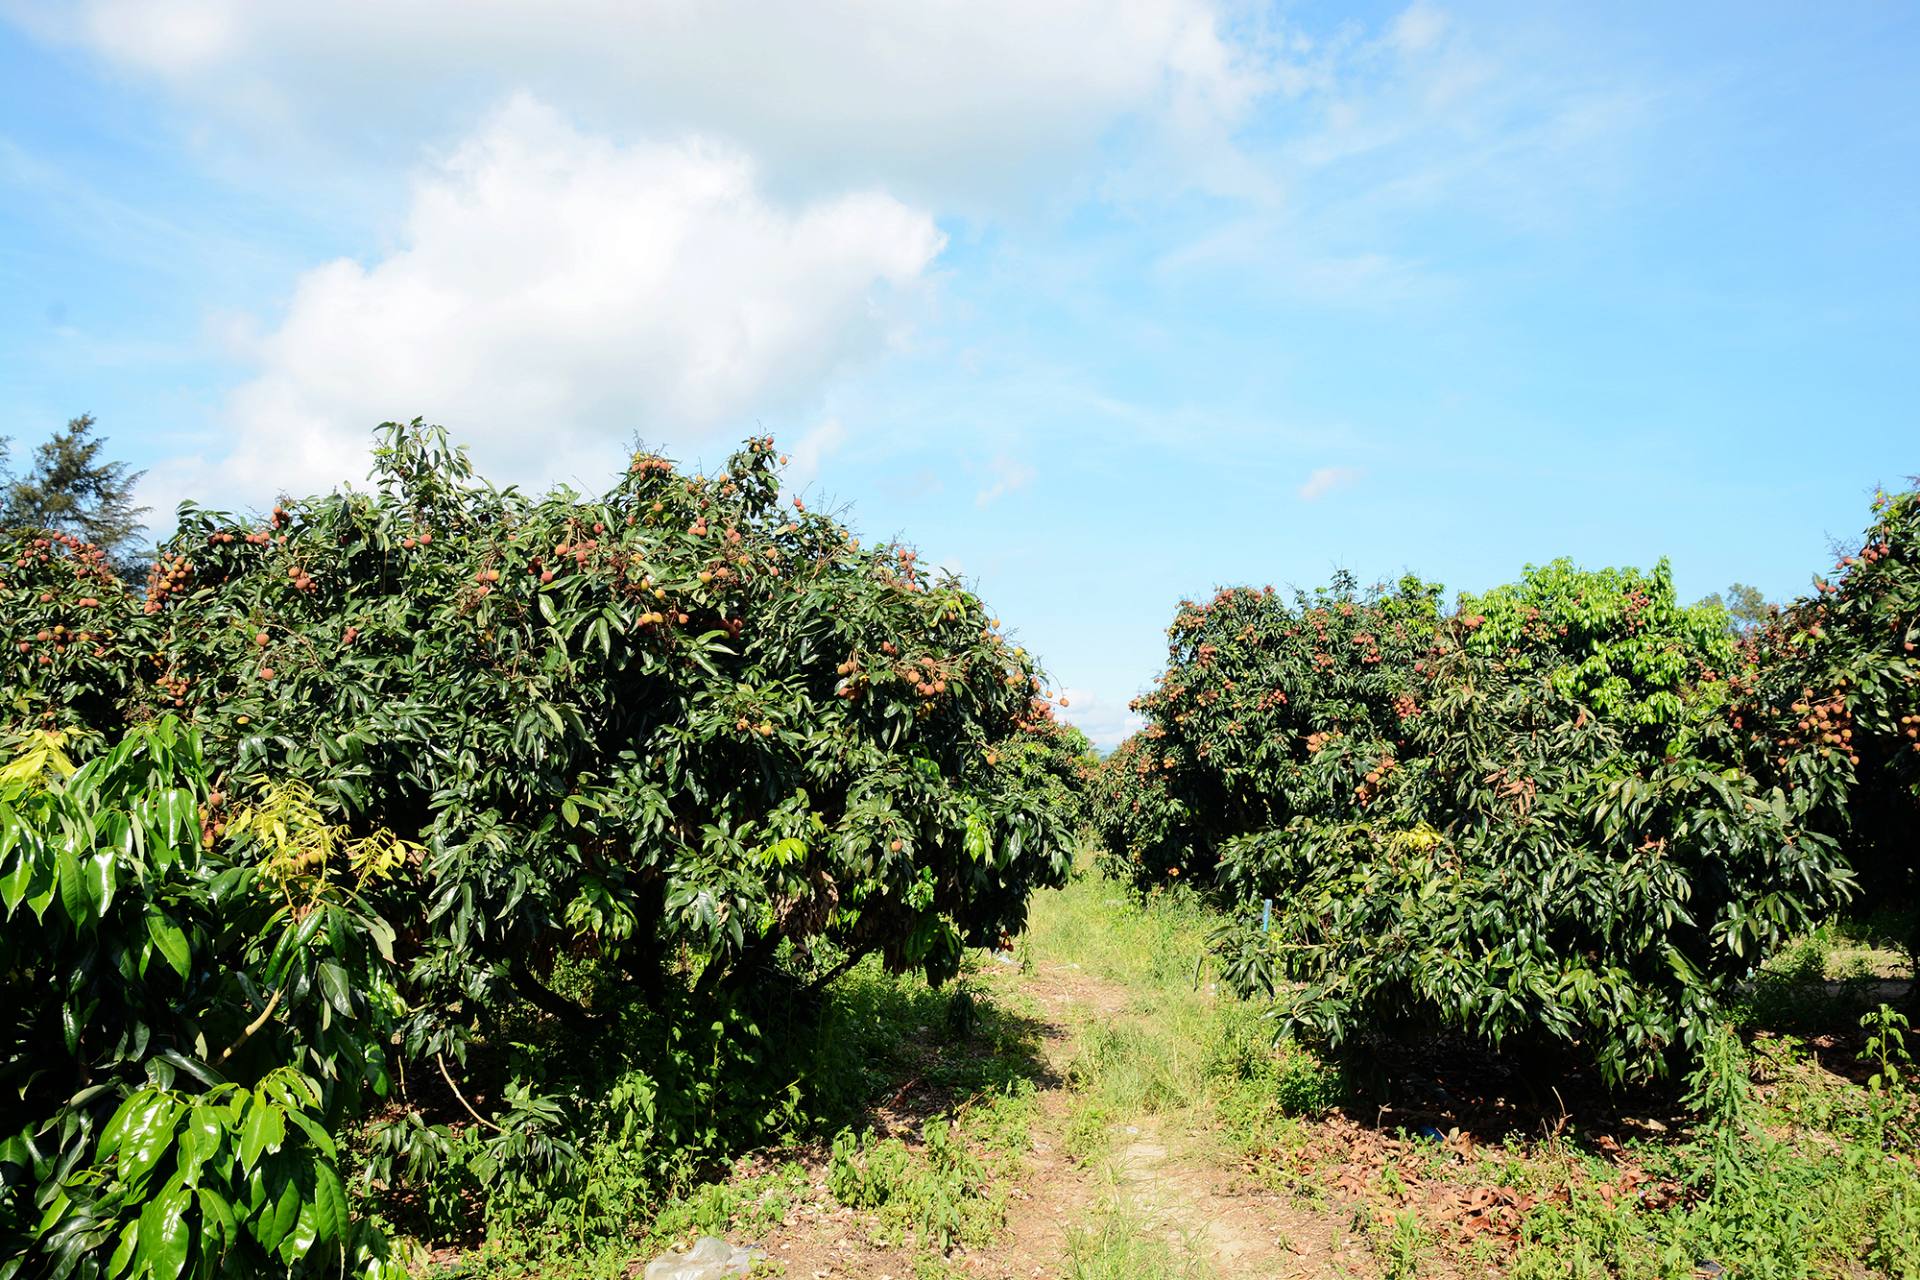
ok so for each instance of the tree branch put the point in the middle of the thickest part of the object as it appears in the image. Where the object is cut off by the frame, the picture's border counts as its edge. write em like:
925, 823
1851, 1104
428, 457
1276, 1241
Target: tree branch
545, 999
826, 979
246, 1034
448, 1077
717, 975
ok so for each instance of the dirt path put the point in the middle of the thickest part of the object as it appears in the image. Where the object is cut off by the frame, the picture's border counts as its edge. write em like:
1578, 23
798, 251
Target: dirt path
1158, 1180
1118, 1119
1167, 1182
1238, 1228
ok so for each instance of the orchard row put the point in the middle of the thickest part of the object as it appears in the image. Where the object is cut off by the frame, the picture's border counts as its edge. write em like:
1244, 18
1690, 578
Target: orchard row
1572, 813
509, 820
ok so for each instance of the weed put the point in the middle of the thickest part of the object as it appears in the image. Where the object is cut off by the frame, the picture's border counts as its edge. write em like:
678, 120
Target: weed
719, 1208
1811, 1179
1123, 1244
1405, 1245
1089, 1134
1886, 1048
940, 1194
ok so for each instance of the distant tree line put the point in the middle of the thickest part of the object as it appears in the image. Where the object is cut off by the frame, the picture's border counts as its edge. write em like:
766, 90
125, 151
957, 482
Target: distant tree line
74, 488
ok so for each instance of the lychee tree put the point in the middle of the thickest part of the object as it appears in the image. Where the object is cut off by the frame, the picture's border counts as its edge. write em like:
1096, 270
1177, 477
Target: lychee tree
1053, 766
1141, 825
188, 1022
685, 731
1256, 688
1830, 688
73, 638
1531, 820
680, 715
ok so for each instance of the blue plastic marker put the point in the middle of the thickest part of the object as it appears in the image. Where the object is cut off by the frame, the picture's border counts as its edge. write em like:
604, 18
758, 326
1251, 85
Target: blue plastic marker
1266, 916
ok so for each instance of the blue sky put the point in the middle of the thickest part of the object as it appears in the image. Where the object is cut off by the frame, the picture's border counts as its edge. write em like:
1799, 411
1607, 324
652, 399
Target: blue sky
1102, 304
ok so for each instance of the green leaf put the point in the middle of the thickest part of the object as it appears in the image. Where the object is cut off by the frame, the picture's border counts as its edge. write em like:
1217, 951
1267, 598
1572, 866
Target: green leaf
299, 1240
784, 852
217, 1221
336, 988
13, 885
124, 1254
316, 1133
165, 1234
330, 1217
146, 1134
170, 941
98, 871
180, 814
73, 888
263, 1130
279, 1217
199, 1140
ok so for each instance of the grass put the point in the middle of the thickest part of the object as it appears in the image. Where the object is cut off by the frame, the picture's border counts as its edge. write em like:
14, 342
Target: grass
1181, 1048
970, 1064
1818, 1173
1123, 1243
752, 1205
1792, 1171
1179, 1053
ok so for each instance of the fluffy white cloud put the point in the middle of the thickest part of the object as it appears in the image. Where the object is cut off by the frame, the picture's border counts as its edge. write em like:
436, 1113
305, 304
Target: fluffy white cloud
813, 448
943, 95
1325, 480
1106, 720
553, 293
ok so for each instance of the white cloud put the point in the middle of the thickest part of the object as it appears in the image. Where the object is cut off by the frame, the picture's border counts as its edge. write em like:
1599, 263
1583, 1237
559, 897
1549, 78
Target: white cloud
1376, 131
1008, 474
1105, 720
1500, 118
553, 293
811, 450
1418, 27
1325, 480
941, 95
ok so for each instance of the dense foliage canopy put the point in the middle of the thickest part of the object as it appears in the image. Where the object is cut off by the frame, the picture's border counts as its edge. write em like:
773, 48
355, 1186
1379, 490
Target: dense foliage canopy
1832, 685
441, 847
188, 1022
1534, 818
1254, 687
687, 735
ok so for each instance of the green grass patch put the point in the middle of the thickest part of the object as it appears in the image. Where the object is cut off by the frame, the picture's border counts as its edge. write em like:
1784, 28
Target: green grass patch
1181, 1046
1123, 1243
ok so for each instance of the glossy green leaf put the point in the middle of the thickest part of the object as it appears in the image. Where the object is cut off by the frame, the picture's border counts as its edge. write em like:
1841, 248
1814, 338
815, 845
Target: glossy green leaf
166, 1231
330, 1214
170, 942
146, 1133
263, 1129
335, 986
